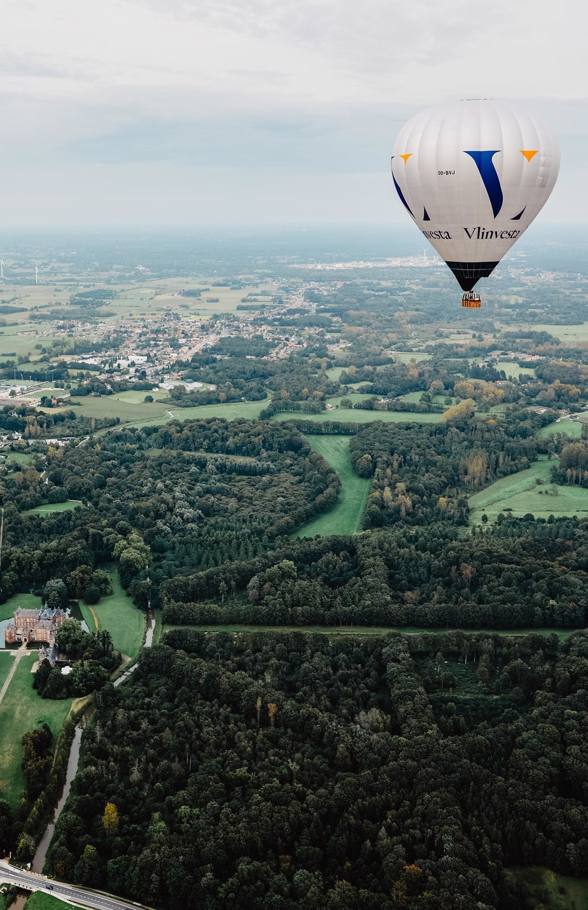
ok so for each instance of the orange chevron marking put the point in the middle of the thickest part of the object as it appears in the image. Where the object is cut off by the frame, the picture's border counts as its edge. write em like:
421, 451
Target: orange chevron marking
529, 153
406, 156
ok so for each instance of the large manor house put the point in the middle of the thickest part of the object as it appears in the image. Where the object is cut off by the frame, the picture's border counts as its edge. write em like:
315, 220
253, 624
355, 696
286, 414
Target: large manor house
34, 626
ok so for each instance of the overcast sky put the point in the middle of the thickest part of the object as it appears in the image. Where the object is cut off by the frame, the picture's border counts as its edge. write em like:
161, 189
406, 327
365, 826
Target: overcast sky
262, 111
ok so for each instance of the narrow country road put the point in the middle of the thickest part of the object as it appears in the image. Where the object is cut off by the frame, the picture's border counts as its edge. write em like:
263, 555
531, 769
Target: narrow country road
83, 897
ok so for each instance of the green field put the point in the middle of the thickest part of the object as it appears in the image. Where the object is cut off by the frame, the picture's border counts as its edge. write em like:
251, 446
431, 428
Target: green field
41, 901
354, 415
572, 428
570, 334
550, 891
352, 395
120, 616
21, 711
529, 491
6, 658
513, 370
132, 410
26, 601
407, 356
345, 517
48, 507
20, 458
370, 630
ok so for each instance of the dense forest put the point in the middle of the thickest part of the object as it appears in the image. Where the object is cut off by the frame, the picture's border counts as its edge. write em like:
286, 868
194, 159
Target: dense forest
518, 574
288, 771
186, 496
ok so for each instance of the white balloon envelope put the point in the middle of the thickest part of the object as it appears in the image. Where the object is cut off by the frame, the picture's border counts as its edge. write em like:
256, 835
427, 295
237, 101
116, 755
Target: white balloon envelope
473, 175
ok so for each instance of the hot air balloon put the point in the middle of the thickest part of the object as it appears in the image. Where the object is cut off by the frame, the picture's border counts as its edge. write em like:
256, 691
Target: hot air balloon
473, 175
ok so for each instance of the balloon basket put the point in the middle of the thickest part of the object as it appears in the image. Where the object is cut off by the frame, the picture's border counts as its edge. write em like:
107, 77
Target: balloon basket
471, 301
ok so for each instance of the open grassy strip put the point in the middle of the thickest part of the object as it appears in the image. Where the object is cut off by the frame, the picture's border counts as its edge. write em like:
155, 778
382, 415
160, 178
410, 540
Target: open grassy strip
529, 491
345, 517
134, 411
120, 616
48, 507
565, 425
41, 901
356, 415
368, 630
21, 711
6, 659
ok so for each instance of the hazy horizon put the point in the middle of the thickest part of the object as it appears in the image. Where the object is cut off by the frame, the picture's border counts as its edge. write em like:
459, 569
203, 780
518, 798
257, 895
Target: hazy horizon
182, 113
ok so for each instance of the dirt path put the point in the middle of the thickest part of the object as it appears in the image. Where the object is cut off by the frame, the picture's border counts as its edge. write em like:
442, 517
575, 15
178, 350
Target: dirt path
18, 656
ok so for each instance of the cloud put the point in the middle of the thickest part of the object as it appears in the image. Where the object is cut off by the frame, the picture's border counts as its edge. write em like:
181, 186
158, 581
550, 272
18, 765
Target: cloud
292, 97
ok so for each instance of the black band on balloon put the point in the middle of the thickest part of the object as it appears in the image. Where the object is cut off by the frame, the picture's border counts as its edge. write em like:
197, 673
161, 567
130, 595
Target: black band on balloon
468, 273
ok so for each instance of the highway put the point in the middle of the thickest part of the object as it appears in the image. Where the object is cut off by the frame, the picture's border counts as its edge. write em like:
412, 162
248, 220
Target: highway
83, 897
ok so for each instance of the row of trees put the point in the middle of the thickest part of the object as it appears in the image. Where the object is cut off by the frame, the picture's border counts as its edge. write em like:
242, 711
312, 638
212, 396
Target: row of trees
519, 574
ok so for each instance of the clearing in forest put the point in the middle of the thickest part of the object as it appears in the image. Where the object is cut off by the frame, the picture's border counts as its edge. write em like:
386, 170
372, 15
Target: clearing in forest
357, 415
345, 516
529, 492
118, 614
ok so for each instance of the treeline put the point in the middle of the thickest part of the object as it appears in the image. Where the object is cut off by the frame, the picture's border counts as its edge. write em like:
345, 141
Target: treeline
520, 574
34, 424
424, 473
306, 773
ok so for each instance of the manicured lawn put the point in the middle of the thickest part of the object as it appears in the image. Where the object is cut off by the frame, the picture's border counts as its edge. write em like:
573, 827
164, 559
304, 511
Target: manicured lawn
529, 491
26, 601
345, 517
120, 616
48, 507
354, 415
21, 711
6, 659
41, 901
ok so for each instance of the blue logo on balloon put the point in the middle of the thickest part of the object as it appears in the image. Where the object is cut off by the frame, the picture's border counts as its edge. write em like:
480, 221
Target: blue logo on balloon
489, 176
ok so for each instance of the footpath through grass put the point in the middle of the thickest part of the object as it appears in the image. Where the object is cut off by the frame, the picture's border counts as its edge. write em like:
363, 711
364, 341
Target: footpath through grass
529, 491
6, 659
345, 516
23, 710
120, 616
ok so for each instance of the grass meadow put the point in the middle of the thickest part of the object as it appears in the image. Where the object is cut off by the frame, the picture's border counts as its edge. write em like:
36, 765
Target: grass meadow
23, 710
118, 614
529, 491
345, 516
